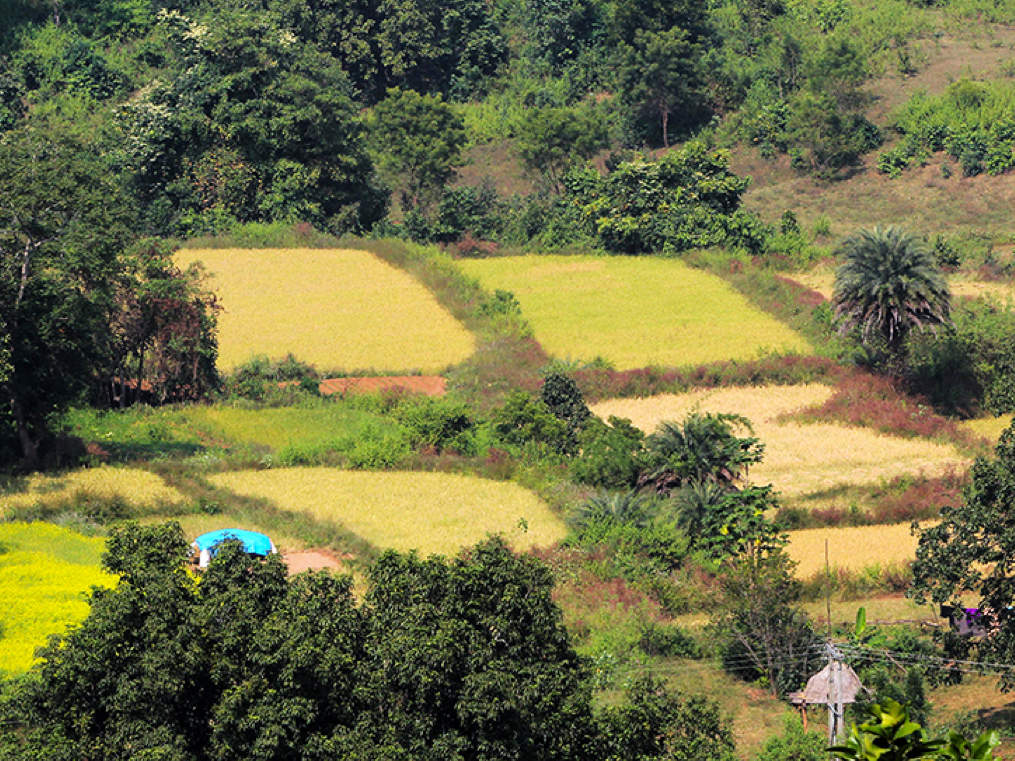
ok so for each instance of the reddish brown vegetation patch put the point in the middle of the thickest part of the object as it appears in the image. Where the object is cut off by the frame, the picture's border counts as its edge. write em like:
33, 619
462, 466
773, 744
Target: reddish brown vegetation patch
432, 385
598, 384
878, 402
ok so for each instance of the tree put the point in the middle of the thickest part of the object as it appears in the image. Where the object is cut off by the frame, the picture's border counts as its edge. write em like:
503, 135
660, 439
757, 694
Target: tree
418, 142
659, 75
889, 285
972, 551
703, 448
551, 140
760, 630
64, 221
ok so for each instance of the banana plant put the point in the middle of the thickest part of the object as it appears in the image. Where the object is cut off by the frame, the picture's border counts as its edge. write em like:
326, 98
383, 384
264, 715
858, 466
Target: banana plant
958, 748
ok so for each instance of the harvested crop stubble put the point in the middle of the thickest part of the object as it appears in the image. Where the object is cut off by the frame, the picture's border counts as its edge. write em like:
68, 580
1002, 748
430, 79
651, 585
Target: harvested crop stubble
851, 547
634, 312
799, 458
333, 308
45, 572
134, 486
430, 512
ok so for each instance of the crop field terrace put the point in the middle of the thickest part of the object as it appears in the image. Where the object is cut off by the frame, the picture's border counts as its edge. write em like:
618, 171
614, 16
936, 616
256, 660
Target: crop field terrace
823, 281
634, 311
800, 458
134, 486
45, 571
435, 513
336, 309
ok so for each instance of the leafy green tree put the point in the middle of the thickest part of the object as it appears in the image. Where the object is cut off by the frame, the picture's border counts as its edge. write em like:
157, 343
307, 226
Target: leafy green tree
760, 629
971, 551
889, 285
64, 222
418, 141
551, 140
659, 77
656, 724
252, 124
461, 659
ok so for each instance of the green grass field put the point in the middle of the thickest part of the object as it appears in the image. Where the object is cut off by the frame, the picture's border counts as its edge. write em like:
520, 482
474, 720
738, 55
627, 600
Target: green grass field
634, 312
336, 309
430, 512
45, 571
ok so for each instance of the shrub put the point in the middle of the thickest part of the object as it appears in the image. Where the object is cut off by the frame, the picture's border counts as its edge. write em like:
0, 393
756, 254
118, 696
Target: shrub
794, 744
526, 423
609, 454
668, 640
437, 423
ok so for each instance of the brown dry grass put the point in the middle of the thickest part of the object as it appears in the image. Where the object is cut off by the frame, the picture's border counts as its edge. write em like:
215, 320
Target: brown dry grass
799, 458
989, 428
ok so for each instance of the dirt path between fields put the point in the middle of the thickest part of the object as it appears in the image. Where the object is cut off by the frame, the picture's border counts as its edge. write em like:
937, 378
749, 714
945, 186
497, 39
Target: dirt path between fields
311, 560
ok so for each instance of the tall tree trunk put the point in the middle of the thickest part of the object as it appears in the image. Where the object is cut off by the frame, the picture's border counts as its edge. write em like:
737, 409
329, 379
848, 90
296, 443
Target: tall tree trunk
666, 126
29, 446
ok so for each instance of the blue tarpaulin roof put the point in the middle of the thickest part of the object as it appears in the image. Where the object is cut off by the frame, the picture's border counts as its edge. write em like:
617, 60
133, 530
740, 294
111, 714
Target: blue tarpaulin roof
253, 542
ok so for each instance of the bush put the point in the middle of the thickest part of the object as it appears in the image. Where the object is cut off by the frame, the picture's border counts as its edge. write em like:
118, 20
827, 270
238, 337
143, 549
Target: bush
794, 744
609, 454
668, 641
525, 423
261, 379
437, 423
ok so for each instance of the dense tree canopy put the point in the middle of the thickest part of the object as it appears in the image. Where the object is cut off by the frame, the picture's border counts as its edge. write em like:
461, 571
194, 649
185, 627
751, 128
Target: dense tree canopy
460, 659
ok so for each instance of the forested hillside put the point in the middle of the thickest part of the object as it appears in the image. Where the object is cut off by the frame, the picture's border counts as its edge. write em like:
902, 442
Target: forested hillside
599, 357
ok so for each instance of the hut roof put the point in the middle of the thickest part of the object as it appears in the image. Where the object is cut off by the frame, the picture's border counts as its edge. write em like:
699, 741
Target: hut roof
816, 691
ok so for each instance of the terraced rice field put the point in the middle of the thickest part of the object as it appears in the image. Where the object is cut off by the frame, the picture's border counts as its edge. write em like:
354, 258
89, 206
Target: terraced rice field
851, 547
634, 311
336, 309
823, 281
134, 486
429, 512
45, 572
799, 458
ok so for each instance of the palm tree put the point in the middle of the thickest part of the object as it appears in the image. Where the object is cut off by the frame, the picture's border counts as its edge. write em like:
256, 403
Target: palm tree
888, 285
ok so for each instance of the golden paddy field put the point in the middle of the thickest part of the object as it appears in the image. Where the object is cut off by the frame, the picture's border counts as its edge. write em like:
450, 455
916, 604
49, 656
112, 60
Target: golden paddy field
429, 512
851, 547
800, 458
989, 428
337, 309
134, 486
45, 571
634, 311
823, 281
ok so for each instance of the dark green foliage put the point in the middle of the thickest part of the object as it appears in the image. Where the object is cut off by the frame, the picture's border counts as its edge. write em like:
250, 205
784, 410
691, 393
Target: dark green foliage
525, 422
609, 454
888, 286
629, 507
970, 552
704, 447
437, 423
64, 221
723, 522
657, 724
466, 658
686, 199
887, 734
761, 632
417, 140
564, 399
252, 125
551, 140
668, 641
970, 365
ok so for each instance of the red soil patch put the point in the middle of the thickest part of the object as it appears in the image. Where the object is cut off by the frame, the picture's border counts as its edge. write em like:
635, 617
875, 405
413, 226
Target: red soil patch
310, 560
432, 385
